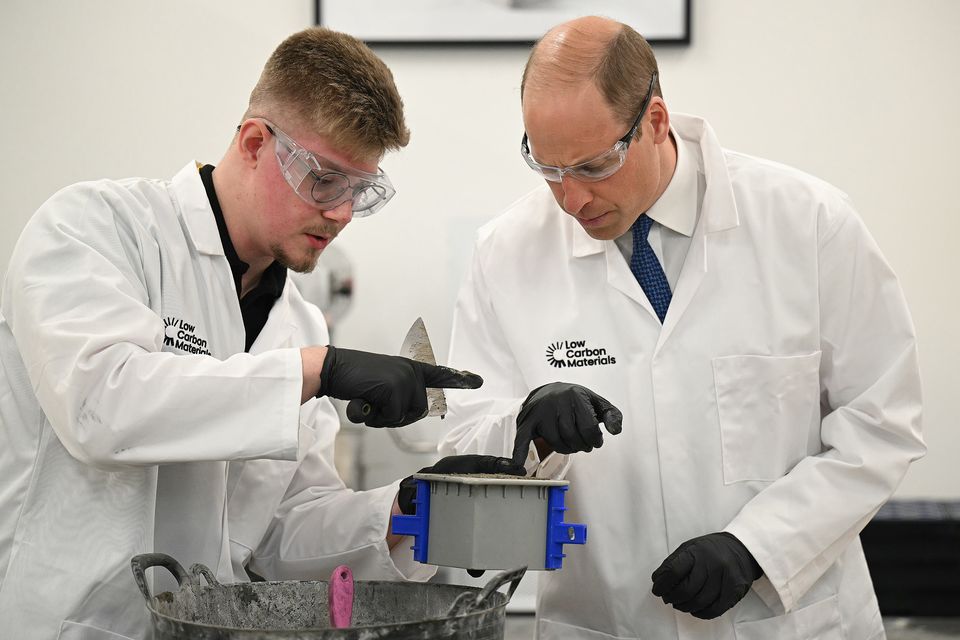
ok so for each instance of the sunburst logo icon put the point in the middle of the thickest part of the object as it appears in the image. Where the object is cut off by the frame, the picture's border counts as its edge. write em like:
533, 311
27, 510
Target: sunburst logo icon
553, 357
169, 330
167, 323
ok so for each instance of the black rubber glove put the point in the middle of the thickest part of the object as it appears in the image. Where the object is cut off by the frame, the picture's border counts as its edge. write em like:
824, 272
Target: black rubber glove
386, 391
470, 463
567, 416
707, 575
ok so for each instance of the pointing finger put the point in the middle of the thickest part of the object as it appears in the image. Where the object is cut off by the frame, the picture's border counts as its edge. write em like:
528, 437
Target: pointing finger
612, 419
521, 446
609, 415
439, 377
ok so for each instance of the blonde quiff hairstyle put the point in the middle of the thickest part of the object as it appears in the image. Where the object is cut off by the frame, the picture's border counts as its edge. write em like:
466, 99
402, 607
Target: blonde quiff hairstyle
334, 84
621, 69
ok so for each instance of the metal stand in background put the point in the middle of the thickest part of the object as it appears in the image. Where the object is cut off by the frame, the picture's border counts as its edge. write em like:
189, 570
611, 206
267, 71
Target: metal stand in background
329, 285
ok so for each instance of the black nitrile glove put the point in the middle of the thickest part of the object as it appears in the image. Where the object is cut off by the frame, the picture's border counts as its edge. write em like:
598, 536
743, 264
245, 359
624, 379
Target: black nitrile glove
707, 575
567, 416
470, 463
386, 391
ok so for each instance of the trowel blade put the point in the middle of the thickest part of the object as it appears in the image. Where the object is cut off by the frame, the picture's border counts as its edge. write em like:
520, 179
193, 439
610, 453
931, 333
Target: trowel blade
416, 346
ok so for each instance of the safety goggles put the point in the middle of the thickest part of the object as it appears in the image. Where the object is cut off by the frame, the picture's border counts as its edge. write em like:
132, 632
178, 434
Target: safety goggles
598, 168
324, 184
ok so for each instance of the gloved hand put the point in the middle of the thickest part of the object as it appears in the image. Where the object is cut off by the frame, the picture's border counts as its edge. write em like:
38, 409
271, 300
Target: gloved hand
392, 386
567, 417
470, 463
707, 575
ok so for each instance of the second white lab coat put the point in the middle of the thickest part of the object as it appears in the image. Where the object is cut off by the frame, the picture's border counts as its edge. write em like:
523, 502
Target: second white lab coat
779, 401
124, 388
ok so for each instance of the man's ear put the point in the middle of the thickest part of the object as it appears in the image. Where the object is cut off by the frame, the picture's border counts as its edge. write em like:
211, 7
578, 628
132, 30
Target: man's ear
659, 119
250, 141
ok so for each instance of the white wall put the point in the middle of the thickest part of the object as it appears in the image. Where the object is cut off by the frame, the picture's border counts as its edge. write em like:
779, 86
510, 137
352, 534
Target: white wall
862, 93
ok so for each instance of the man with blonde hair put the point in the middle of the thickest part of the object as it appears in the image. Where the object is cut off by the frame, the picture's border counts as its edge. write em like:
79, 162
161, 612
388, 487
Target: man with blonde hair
164, 387
743, 319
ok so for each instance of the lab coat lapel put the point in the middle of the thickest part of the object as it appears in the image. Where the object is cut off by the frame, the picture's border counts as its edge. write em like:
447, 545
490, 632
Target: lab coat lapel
691, 275
622, 279
618, 271
198, 219
279, 329
718, 213
200, 226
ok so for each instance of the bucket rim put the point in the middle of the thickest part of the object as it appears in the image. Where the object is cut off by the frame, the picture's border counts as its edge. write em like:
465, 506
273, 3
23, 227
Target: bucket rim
463, 606
398, 625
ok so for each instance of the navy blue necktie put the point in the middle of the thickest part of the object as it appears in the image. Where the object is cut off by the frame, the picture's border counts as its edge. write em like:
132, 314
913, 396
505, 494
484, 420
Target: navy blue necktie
647, 270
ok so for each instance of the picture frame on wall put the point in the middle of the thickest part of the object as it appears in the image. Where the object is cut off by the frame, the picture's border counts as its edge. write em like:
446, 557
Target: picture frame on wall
495, 21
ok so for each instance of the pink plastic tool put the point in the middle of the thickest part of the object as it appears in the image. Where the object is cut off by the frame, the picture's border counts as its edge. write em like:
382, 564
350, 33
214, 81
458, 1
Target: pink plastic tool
340, 597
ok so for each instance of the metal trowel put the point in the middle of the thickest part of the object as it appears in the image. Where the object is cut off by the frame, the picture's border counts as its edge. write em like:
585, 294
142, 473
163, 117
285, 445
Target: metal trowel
416, 346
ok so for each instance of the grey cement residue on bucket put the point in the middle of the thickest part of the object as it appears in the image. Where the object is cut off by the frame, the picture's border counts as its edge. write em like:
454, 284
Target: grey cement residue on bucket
299, 609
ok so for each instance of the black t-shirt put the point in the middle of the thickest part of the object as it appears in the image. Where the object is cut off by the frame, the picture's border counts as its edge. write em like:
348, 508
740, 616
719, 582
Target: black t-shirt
256, 305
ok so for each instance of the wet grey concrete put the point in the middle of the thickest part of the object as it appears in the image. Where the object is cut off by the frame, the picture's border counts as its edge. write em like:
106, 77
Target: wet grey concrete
520, 627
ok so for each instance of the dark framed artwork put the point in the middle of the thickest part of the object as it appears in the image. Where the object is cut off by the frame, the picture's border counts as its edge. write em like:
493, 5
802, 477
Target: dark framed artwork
495, 21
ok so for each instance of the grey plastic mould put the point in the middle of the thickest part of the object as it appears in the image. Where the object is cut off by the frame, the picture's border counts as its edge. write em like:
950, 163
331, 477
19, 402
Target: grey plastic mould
489, 521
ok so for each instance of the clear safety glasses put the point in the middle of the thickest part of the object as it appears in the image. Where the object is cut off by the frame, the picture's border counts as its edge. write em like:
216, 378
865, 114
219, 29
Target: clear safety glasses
324, 184
603, 166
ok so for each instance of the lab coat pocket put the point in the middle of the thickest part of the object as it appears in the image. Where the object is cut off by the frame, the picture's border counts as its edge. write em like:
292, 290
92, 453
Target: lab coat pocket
76, 631
818, 621
551, 630
769, 413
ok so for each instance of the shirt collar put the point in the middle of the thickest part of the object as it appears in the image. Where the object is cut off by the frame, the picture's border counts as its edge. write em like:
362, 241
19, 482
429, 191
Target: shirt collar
676, 208
237, 266
195, 211
273, 278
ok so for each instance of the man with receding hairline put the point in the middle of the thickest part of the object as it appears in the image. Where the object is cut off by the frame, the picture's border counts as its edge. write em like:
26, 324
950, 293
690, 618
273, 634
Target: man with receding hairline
728, 319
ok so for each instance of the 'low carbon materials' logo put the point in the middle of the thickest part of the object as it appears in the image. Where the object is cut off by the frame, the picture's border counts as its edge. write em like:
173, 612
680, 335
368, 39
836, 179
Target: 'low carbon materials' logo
576, 353
183, 336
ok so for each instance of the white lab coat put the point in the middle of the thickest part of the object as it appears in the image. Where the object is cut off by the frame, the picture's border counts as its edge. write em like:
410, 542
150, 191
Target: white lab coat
115, 294
779, 401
